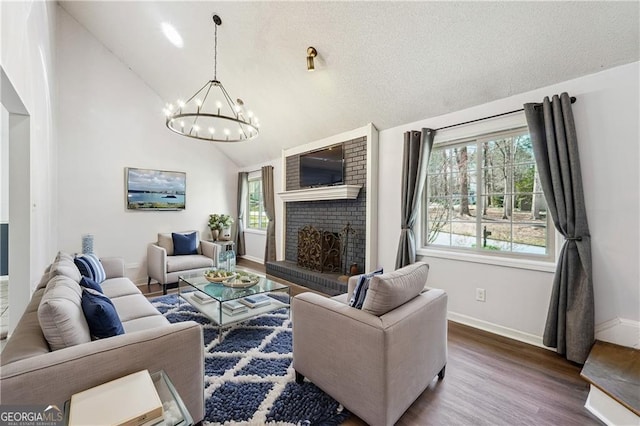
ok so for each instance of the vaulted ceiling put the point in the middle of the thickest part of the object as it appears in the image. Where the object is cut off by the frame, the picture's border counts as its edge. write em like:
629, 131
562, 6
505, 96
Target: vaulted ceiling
387, 63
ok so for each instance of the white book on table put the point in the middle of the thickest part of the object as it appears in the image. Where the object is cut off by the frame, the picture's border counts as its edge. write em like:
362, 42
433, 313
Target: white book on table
233, 305
130, 400
234, 311
202, 298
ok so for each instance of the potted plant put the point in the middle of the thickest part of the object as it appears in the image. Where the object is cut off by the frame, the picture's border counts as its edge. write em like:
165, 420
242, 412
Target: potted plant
220, 225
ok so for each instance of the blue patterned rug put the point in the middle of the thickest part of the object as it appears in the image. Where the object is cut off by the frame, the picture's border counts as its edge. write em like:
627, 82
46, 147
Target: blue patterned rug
249, 379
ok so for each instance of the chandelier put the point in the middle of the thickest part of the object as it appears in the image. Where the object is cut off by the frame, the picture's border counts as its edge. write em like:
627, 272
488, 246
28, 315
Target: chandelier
210, 114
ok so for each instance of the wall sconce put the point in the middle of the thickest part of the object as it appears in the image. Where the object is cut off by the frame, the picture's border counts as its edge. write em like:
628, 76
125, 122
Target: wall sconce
311, 53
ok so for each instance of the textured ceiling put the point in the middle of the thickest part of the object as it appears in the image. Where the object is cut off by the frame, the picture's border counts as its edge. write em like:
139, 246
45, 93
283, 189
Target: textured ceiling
388, 63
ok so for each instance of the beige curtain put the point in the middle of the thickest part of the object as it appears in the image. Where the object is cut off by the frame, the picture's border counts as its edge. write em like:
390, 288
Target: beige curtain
270, 210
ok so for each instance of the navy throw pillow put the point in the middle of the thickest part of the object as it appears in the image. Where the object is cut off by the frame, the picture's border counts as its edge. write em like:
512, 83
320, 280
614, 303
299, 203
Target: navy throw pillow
89, 266
360, 292
184, 244
101, 315
89, 283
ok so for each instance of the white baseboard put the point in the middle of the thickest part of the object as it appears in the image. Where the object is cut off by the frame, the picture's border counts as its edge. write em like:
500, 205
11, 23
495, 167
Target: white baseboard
253, 259
608, 410
132, 271
620, 331
500, 330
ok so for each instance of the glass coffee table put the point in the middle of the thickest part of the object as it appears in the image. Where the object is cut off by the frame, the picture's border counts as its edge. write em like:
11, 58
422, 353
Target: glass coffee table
214, 300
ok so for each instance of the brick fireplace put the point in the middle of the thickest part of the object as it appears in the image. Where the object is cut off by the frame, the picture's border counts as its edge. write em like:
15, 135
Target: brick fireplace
329, 217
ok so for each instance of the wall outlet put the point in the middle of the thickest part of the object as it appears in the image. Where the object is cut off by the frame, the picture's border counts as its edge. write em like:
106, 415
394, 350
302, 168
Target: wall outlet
481, 295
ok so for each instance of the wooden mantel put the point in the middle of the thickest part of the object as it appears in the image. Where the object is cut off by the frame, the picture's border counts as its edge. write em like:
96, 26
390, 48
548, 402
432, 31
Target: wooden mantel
336, 192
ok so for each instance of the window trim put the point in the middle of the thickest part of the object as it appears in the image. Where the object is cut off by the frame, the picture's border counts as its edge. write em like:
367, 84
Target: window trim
252, 230
255, 231
476, 132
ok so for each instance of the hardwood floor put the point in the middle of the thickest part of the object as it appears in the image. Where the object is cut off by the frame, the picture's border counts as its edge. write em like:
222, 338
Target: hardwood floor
493, 380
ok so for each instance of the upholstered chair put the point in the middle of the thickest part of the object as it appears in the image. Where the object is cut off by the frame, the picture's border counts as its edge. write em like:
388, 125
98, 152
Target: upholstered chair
165, 266
377, 360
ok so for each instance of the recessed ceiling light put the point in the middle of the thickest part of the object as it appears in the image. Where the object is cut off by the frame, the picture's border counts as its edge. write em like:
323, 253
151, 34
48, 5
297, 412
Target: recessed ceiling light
172, 35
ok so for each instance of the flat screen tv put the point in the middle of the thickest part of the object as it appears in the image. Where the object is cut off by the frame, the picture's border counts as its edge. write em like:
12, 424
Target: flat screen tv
155, 189
324, 167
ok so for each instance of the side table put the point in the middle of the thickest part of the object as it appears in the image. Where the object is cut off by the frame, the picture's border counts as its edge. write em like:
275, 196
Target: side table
224, 245
175, 412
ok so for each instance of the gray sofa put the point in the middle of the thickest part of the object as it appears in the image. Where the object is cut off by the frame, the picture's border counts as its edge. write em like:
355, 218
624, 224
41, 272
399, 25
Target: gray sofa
32, 373
378, 360
164, 267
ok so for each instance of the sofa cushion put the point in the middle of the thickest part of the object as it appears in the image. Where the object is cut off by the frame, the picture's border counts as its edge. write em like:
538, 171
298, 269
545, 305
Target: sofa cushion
145, 323
388, 291
184, 244
185, 263
89, 283
60, 314
117, 287
360, 291
133, 306
166, 242
63, 256
26, 340
44, 280
101, 315
89, 266
65, 267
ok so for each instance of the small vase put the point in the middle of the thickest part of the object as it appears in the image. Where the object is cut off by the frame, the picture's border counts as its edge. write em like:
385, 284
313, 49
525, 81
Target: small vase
225, 234
354, 269
214, 234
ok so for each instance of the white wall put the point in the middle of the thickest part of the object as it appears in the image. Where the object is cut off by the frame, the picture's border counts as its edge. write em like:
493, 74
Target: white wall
256, 241
110, 119
27, 35
606, 115
4, 165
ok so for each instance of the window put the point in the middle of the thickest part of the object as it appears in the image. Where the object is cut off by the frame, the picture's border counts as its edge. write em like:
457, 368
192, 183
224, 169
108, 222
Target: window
484, 195
257, 218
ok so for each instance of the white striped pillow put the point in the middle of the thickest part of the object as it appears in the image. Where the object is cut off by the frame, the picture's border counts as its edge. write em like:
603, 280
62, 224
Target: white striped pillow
90, 267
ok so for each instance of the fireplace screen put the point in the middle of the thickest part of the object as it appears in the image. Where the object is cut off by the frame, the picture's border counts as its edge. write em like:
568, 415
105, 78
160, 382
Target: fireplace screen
319, 250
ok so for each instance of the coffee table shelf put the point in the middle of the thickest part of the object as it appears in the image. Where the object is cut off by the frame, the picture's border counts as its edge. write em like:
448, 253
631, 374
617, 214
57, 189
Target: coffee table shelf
212, 310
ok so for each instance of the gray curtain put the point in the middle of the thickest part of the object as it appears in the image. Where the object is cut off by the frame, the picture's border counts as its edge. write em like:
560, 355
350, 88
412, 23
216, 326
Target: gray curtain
417, 150
570, 320
243, 190
270, 210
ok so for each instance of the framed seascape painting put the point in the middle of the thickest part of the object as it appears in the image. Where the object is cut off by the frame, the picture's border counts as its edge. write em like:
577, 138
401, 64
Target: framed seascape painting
155, 189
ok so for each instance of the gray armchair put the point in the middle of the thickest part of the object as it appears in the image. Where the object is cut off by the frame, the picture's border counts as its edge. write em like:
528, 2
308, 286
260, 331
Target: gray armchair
375, 366
164, 267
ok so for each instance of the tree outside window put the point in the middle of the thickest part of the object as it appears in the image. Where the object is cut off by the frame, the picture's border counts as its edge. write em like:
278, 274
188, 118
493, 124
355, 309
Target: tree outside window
484, 195
256, 216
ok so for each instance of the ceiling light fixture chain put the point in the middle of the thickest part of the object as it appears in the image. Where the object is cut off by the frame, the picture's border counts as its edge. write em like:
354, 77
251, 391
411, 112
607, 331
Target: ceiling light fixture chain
211, 114
217, 21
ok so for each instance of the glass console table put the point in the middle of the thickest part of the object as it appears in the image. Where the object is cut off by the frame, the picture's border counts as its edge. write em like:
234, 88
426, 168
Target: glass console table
175, 413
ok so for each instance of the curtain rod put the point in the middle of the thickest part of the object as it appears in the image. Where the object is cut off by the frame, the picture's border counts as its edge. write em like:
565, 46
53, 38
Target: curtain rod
573, 100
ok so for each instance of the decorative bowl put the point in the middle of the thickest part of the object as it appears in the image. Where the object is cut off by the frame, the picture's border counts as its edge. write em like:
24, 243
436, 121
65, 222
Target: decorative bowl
219, 279
242, 282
